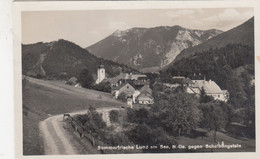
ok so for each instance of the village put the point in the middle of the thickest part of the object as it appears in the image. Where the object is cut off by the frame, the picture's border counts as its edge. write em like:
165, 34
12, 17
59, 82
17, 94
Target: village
134, 89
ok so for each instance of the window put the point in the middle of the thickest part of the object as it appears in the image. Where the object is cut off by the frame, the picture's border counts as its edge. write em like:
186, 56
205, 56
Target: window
127, 87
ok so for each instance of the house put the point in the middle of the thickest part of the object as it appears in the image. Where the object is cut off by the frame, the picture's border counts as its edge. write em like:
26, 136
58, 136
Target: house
226, 94
178, 81
211, 89
123, 88
114, 82
123, 76
78, 85
137, 76
146, 88
72, 81
145, 98
135, 95
139, 83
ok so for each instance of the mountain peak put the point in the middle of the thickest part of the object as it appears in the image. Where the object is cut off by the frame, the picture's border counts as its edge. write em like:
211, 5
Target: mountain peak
242, 34
148, 47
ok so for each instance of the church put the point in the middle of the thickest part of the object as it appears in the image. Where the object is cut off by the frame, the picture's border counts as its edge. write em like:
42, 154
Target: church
101, 74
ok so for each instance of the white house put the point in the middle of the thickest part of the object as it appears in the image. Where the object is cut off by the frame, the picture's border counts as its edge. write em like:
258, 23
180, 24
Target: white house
135, 95
123, 88
145, 97
211, 89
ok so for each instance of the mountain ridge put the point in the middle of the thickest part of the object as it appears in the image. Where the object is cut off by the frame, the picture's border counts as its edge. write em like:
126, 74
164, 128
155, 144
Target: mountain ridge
144, 48
63, 59
241, 34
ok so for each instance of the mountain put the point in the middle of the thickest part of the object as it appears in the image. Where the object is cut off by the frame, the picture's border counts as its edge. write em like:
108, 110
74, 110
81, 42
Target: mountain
62, 60
227, 59
149, 48
242, 34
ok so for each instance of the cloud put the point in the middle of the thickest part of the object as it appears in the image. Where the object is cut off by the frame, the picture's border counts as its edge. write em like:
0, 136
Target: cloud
95, 33
228, 19
230, 15
117, 25
178, 13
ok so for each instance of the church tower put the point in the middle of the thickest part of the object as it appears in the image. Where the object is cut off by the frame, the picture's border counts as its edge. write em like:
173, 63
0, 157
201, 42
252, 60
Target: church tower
101, 74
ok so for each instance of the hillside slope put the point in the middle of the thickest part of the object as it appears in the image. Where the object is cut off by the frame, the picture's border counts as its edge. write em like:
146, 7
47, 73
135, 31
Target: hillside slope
45, 98
242, 34
149, 48
230, 63
63, 59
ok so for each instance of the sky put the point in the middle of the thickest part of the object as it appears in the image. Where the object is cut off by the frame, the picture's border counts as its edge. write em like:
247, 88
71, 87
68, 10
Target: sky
88, 27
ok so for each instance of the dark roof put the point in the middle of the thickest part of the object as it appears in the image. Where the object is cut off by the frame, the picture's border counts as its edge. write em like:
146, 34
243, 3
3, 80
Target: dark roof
181, 81
146, 88
120, 86
101, 66
141, 83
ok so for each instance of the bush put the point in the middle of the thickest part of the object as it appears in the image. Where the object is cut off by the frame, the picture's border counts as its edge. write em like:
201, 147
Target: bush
113, 115
85, 78
103, 86
130, 115
122, 96
92, 121
144, 135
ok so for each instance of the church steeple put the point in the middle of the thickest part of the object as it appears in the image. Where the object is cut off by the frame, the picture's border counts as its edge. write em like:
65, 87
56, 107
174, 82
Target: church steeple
101, 74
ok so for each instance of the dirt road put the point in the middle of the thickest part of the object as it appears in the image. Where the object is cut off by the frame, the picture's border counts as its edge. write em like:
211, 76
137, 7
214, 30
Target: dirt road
55, 138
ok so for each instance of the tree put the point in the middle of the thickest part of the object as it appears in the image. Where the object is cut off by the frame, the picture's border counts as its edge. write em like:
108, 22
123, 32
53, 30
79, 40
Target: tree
85, 78
177, 110
122, 96
143, 134
215, 116
92, 121
103, 86
204, 98
113, 115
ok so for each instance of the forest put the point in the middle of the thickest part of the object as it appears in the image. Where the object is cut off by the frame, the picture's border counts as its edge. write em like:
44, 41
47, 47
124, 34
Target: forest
232, 68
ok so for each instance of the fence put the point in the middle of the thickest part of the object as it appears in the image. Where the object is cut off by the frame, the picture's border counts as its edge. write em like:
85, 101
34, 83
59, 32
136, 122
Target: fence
83, 132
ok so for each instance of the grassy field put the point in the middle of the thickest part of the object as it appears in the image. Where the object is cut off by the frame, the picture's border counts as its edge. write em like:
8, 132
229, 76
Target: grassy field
248, 145
42, 99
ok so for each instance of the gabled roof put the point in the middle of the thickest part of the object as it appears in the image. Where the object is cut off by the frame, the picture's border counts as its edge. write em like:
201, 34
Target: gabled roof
146, 88
123, 76
121, 86
145, 96
111, 80
210, 87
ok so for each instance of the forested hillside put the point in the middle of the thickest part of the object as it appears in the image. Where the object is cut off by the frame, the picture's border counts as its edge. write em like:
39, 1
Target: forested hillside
242, 34
62, 60
231, 67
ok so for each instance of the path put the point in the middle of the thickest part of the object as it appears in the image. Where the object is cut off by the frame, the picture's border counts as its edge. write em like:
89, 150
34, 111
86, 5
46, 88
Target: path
55, 138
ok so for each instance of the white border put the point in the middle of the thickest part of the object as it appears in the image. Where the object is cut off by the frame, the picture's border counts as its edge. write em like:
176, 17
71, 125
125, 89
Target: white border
18, 7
